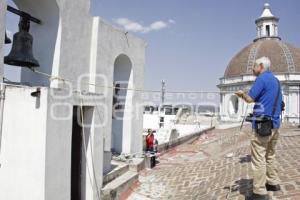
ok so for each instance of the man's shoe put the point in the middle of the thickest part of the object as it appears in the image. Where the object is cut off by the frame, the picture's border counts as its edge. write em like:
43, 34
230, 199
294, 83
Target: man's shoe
273, 188
259, 197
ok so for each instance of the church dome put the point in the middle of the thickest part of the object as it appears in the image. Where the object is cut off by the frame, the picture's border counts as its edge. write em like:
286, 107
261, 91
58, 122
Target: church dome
285, 58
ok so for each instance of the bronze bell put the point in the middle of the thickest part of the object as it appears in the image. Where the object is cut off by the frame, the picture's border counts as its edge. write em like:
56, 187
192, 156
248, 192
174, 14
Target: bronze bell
7, 40
21, 52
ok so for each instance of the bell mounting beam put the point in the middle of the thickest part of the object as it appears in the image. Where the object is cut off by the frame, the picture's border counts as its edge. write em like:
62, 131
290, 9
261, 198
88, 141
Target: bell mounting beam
23, 14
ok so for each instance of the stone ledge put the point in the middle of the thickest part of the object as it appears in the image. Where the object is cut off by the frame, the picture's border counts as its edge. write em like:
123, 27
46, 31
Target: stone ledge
113, 190
120, 169
186, 139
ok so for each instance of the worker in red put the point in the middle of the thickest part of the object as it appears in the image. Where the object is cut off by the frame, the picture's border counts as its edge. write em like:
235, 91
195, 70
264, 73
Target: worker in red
150, 141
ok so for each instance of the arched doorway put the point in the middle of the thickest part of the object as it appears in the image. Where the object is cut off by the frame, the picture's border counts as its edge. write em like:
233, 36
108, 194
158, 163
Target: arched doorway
122, 103
233, 105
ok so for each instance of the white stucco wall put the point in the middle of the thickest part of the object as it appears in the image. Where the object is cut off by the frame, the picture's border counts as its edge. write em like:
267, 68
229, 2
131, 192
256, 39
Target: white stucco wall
111, 44
150, 121
36, 145
273, 24
82, 49
23, 145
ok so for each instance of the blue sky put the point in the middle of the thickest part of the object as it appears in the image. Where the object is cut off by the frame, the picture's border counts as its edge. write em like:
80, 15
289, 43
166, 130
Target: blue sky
192, 54
191, 42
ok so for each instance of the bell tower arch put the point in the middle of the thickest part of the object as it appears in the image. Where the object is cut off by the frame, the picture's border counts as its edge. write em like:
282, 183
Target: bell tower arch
45, 38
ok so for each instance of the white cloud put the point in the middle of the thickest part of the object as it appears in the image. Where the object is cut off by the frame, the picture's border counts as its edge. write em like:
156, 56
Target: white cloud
171, 21
133, 26
158, 25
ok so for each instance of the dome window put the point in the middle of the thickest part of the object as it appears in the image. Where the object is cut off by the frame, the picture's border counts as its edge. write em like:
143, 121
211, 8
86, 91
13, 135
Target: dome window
268, 30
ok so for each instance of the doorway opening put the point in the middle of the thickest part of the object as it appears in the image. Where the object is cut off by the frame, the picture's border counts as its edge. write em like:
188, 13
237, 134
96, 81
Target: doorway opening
80, 145
233, 105
122, 102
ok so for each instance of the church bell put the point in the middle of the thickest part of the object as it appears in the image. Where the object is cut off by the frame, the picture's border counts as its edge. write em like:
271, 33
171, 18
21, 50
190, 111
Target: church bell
7, 40
21, 52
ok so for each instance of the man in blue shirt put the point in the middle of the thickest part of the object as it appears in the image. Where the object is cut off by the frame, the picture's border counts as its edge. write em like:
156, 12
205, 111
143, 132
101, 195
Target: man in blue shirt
267, 96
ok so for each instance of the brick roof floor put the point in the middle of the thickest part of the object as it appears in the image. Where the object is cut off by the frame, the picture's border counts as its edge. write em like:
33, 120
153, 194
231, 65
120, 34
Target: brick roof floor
202, 170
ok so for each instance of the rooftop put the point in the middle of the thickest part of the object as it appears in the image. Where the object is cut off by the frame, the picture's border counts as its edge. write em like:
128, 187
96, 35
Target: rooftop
202, 170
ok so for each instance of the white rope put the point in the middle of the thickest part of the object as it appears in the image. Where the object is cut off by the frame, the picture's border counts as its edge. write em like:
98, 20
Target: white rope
50, 77
85, 153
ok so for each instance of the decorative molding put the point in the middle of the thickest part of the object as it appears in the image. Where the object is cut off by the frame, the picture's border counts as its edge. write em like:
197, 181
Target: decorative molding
288, 56
252, 56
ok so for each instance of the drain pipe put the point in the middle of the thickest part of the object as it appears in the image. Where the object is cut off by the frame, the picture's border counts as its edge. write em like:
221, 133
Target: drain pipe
2, 97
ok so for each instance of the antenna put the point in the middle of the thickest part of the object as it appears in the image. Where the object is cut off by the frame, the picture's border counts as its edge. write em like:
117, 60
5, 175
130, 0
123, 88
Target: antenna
163, 92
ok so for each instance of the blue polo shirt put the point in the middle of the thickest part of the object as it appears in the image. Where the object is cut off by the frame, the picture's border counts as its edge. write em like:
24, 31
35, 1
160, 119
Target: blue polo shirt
264, 92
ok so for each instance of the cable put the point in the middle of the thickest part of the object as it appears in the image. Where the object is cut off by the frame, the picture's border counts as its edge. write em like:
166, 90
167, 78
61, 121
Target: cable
125, 88
85, 153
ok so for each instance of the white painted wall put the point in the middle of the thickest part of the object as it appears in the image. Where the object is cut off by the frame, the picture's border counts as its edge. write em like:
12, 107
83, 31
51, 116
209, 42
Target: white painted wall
76, 46
121, 129
23, 149
36, 146
82, 48
151, 121
262, 26
111, 44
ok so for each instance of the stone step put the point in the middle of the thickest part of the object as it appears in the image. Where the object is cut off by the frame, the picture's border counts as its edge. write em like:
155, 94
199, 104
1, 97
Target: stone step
119, 168
137, 164
113, 189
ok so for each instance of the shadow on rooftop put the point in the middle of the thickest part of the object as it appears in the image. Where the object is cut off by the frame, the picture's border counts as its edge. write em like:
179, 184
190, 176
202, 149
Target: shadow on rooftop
243, 186
245, 159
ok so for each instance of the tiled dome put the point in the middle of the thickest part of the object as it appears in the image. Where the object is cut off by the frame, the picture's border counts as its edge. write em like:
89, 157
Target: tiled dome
285, 58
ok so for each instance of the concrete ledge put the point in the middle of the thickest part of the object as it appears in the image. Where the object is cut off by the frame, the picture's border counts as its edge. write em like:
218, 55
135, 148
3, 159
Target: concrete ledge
186, 139
120, 169
113, 190
137, 164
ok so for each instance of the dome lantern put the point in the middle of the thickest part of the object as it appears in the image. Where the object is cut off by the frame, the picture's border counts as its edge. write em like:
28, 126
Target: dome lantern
267, 24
